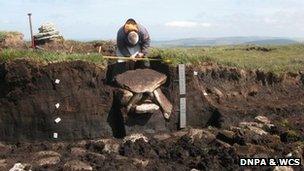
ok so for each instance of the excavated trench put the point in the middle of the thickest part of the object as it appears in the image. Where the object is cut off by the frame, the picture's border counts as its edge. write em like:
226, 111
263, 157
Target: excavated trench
222, 103
216, 96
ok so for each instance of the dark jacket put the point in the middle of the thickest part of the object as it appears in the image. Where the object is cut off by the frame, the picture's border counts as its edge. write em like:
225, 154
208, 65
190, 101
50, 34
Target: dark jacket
123, 43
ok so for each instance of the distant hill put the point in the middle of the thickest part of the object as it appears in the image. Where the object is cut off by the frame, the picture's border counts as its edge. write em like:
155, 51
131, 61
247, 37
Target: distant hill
225, 41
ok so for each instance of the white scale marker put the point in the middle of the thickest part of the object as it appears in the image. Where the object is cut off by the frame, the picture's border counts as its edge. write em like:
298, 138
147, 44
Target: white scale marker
57, 81
57, 105
55, 135
195, 73
182, 93
205, 93
57, 120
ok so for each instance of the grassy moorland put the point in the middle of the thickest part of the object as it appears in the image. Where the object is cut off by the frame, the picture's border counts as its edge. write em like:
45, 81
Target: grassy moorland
277, 59
47, 56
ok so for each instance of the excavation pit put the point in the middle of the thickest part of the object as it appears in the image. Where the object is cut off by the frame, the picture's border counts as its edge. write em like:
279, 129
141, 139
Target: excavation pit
90, 108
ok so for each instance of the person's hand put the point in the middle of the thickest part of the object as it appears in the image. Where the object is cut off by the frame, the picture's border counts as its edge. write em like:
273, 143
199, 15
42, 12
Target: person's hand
140, 55
133, 57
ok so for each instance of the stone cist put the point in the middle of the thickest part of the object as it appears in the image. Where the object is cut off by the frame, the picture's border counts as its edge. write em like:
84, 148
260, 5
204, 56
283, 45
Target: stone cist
140, 92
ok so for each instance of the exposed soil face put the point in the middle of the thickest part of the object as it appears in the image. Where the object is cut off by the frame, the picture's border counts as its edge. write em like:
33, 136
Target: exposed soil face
237, 95
29, 95
226, 100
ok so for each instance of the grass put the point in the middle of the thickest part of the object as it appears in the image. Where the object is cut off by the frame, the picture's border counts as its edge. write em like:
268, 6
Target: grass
43, 56
276, 59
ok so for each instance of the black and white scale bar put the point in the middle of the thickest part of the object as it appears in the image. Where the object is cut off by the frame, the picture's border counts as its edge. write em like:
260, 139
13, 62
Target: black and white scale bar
182, 93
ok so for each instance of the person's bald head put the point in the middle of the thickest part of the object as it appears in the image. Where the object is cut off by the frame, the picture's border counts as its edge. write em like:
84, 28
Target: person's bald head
133, 38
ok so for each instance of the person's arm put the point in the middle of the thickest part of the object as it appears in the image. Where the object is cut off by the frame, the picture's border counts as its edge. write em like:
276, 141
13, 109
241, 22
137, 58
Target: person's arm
145, 42
121, 45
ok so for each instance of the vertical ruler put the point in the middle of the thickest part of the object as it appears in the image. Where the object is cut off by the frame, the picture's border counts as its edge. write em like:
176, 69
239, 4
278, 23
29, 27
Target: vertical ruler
182, 93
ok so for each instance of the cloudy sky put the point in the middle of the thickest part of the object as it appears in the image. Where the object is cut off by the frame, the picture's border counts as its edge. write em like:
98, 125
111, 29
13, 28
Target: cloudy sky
165, 19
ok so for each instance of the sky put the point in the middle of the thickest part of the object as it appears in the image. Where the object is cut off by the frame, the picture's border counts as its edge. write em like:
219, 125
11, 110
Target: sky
164, 19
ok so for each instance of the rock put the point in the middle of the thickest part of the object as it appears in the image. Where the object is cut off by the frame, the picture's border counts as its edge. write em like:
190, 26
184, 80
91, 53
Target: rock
218, 92
146, 108
76, 165
253, 90
251, 149
120, 157
134, 99
124, 96
4, 148
135, 137
96, 156
47, 158
140, 162
81, 143
262, 119
254, 127
47, 154
3, 164
161, 137
257, 130
110, 145
58, 146
234, 94
283, 168
200, 134
163, 102
140, 80
21, 167
47, 31
179, 133
49, 161
76, 151
226, 136
222, 144
194, 170
298, 152
166, 116
246, 124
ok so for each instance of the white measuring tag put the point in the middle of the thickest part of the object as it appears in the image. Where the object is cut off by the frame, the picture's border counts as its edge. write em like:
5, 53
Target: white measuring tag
57, 120
57, 81
55, 135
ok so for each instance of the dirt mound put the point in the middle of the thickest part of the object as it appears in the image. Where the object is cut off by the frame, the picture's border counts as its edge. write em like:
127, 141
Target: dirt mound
11, 40
104, 47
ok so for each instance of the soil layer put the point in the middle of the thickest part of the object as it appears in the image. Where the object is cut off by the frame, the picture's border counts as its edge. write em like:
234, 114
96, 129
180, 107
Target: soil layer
236, 113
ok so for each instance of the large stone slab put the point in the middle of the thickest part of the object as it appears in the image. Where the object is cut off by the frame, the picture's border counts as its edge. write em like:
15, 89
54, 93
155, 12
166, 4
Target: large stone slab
163, 102
141, 80
146, 108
